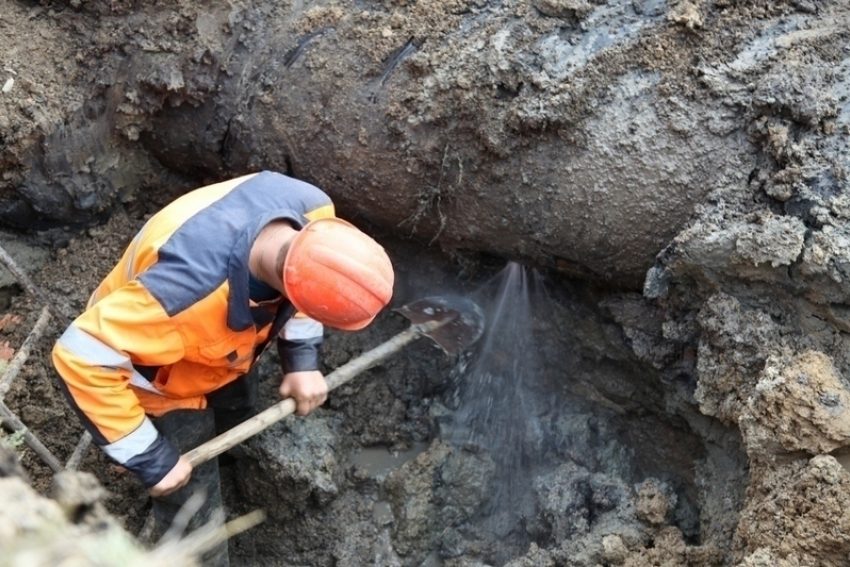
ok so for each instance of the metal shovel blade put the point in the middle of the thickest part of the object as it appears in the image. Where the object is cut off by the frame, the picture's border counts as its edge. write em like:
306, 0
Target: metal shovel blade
461, 320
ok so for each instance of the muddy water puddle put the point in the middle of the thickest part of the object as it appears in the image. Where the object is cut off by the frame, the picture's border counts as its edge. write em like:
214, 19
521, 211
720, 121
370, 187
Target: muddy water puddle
380, 462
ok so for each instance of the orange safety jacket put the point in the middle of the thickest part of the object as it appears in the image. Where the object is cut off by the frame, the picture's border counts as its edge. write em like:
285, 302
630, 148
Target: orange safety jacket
173, 321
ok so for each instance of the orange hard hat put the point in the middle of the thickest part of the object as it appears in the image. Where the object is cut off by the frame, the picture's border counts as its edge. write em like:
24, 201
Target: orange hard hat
337, 275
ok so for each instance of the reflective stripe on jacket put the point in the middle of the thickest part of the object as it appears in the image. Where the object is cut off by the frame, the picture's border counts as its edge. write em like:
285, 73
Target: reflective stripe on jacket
173, 320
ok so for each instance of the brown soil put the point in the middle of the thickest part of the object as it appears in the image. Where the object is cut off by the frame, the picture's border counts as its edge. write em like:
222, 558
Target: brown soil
70, 276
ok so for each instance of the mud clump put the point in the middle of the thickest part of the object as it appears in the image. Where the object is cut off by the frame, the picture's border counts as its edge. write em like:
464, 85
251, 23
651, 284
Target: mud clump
799, 404
440, 488
787, 522
655, 502
569, 9
293, 465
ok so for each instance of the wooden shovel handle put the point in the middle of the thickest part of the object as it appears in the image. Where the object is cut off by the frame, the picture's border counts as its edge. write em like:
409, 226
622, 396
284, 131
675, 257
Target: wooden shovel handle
275, 413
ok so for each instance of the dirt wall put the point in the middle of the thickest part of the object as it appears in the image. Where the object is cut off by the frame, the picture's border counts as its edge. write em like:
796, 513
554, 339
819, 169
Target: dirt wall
579, 138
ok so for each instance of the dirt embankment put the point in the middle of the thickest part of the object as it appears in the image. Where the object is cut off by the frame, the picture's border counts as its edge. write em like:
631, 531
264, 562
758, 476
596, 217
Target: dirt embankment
579, 136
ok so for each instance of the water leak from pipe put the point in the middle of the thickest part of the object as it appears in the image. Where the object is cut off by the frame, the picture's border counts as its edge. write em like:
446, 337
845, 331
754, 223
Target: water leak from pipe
497, 408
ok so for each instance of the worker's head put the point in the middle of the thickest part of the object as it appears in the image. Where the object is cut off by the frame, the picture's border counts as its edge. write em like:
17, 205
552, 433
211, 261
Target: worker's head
337, 275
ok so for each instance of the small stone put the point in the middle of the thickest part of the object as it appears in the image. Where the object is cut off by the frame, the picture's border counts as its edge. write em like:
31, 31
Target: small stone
578, 9
779, 191
686, 14
7, 86
614, 551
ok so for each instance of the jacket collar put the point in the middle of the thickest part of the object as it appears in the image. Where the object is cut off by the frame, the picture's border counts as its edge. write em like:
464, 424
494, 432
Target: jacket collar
238, 303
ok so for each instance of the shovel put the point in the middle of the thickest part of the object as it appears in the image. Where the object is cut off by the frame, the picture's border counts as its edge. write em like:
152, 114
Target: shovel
453, 323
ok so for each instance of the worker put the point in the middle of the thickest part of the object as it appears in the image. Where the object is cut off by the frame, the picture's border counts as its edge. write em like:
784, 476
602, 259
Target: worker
159, 361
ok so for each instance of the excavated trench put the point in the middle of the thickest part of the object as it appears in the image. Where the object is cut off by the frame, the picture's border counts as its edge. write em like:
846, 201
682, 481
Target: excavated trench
549, 433
648, 199
428, 459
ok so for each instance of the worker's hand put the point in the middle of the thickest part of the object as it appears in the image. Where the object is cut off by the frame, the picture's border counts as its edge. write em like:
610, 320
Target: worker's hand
176, 478
308, 389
